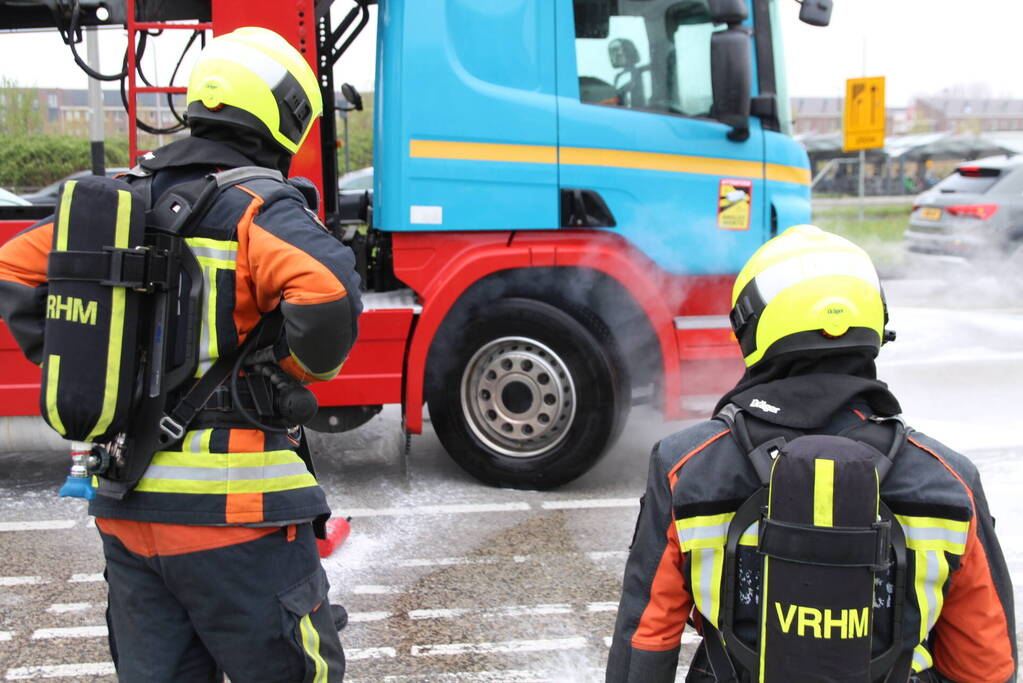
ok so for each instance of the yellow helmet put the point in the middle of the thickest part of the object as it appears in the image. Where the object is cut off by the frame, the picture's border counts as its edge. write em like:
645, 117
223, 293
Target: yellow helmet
253, 78
807, 289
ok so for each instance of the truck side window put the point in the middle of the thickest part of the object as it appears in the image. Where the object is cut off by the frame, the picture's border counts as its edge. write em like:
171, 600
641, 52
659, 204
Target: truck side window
651, 55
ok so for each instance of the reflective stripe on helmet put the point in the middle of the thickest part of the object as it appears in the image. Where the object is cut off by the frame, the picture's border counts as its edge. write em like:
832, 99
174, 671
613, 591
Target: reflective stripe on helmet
259, 63
793, 271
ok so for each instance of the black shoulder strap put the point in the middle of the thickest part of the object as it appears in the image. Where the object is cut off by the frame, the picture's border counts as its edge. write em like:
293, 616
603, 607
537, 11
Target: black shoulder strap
185, 205
762, 456
175, 421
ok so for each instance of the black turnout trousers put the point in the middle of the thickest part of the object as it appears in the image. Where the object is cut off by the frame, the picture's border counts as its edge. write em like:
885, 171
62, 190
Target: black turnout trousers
256, 611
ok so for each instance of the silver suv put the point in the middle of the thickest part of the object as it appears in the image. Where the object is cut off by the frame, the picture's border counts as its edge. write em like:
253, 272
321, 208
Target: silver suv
975, 213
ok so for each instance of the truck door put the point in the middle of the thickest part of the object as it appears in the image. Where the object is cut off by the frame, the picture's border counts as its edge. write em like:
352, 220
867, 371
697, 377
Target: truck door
634, 86
466, 102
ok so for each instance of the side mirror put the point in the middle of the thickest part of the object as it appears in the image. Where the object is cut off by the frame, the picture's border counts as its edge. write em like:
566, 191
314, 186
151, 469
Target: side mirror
728, 11
816, 12
352, 96
731, 80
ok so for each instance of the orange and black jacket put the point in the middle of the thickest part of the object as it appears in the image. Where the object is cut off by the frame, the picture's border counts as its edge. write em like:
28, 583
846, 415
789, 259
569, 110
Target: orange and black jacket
259, 246
958, 612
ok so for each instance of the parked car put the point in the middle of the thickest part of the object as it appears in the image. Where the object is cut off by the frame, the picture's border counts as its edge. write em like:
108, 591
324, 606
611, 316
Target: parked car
48, 195
355, 196
360, 179
975, 213
8, 198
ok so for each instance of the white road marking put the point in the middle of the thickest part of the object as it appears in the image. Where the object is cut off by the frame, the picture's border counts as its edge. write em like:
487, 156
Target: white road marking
85, 578
599, 555
506, 611
356, 653
499, 647
412, 563
31, 673
602, 607
358, 617
378, 590
6, 635
70, 632
438, 510
63, 607
21, 580
588, 503
40, 525
502, 676
446, 561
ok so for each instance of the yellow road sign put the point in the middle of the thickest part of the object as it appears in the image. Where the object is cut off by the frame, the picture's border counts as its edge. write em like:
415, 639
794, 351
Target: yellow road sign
864, 116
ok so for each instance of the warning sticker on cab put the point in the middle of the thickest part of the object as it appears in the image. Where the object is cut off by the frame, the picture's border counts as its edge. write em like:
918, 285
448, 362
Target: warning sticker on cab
735, 196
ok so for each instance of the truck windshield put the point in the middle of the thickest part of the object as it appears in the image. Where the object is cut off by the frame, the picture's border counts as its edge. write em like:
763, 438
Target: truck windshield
652, 55
781, 82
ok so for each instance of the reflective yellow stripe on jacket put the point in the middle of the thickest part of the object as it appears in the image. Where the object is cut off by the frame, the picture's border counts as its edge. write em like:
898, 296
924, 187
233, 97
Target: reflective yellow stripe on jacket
213, 256
929, 539
704, 537
196, 470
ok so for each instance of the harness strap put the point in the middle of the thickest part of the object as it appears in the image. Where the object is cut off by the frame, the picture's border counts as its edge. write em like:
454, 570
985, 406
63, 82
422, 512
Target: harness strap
141, 268
176, 420
720, 663
831, 546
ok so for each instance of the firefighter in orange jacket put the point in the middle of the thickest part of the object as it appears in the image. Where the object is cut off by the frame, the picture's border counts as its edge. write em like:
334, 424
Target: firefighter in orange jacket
207, 577
809, 316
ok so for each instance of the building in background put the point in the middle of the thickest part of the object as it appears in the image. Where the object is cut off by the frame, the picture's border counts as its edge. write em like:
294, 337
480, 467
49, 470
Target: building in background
823, 115
66, 111
966, 115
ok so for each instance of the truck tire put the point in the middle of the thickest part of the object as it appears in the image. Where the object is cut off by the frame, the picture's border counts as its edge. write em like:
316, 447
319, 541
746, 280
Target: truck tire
529, 396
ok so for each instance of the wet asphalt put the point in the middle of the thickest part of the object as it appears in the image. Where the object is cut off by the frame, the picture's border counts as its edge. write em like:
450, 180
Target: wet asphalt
449, 580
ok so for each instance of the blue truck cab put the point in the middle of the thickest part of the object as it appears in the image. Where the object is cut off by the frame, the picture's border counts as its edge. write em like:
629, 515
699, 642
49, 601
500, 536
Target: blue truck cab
550, 114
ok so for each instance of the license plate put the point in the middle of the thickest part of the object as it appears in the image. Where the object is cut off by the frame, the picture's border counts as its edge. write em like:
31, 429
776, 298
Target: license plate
930, 213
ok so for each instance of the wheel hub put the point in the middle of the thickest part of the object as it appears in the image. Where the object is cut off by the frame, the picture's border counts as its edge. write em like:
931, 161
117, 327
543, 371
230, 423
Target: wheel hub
518, 396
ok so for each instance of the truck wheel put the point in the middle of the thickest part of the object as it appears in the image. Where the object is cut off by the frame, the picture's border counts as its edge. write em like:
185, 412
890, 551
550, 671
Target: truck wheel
529, 396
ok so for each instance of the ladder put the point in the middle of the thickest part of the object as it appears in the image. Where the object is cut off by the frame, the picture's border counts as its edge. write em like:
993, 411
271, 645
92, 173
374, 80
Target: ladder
134, 89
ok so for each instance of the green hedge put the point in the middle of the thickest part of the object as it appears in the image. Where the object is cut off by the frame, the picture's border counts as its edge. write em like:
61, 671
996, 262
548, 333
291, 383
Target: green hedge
37, 160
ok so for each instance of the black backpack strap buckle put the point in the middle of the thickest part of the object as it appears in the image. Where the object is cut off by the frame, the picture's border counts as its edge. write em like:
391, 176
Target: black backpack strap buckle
142, 269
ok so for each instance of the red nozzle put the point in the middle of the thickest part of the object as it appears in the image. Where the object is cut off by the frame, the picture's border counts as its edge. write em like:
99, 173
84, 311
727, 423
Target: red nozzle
337, 533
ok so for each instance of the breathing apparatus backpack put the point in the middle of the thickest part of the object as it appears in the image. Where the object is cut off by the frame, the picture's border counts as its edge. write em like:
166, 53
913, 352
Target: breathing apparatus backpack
824, 535
123, 319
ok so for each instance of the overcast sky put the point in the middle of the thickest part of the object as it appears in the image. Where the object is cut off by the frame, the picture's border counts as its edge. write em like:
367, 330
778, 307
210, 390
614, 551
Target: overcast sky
921, 46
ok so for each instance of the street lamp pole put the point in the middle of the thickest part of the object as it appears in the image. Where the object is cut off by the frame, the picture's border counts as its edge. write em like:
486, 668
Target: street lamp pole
96, 125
